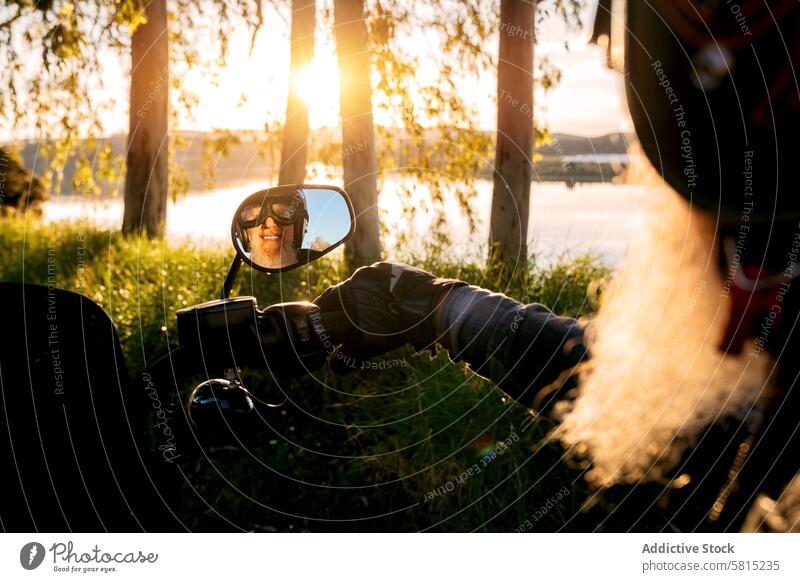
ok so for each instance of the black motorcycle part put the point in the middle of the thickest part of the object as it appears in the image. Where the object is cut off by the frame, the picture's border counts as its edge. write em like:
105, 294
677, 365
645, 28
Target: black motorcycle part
71, 451
285, 339
222, 411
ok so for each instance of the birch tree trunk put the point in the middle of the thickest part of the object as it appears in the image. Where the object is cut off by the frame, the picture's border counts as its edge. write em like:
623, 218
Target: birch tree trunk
513, 164
294, 149
359, 159
146, 180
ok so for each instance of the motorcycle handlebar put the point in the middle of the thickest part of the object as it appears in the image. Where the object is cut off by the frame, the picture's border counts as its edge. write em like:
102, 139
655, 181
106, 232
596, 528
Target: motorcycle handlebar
286, 338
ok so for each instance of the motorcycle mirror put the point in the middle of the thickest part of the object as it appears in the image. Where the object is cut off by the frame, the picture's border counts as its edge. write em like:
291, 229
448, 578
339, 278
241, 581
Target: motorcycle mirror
279, 229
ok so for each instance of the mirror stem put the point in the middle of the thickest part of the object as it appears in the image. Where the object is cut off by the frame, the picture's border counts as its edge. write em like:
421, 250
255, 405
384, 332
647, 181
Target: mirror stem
231, 276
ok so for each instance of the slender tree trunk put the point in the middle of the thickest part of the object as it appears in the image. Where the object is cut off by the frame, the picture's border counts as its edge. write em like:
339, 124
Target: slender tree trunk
513, 163
294, 151
359, 160
147, 156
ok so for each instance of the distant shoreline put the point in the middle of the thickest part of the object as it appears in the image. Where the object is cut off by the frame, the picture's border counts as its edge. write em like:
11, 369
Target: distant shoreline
564, 158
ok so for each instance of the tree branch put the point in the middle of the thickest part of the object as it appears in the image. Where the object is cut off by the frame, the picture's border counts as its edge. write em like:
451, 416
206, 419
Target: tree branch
260, 20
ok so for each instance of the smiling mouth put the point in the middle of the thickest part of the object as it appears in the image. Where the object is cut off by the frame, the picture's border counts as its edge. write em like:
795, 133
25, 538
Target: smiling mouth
270, 237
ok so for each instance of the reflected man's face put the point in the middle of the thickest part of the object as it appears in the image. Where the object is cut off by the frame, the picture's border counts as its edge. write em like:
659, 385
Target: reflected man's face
271, 245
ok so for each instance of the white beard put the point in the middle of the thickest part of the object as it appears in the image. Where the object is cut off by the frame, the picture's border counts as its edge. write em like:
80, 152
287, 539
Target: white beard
657, 379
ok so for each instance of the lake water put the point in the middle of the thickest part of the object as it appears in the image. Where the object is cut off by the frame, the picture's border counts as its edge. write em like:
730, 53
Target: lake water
598, 158
600, 218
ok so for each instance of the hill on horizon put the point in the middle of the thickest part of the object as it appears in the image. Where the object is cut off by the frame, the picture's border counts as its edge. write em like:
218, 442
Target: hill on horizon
248, 161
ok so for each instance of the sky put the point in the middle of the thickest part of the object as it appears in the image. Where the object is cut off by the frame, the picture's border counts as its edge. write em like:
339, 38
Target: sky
251, 91
585, 80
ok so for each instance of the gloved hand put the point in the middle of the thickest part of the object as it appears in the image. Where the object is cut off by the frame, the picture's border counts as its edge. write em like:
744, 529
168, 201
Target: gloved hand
380, 308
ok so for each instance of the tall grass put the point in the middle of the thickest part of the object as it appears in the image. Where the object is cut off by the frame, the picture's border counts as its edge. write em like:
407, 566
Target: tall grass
365, 451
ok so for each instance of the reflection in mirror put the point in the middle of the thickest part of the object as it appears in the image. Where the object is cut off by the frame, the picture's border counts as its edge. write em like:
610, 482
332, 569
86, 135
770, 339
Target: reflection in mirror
285, 227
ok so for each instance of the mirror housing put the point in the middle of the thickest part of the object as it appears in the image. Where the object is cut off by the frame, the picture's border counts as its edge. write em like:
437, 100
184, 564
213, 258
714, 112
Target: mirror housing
282, 228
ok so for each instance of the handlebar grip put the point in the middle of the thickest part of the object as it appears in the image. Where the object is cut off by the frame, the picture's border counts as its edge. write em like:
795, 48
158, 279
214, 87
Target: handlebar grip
338, 326
305, 340
287, 338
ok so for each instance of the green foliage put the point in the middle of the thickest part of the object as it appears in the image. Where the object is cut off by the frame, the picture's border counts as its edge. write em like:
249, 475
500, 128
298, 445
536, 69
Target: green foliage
215, 147
360, 452
572, 287
443, 151
52, 59
569, 10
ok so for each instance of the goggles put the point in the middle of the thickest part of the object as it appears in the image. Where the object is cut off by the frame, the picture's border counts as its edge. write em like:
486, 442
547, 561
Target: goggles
284, 210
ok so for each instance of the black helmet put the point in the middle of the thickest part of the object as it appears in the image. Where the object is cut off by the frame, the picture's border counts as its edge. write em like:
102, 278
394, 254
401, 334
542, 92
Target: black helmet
714, 97
286, 206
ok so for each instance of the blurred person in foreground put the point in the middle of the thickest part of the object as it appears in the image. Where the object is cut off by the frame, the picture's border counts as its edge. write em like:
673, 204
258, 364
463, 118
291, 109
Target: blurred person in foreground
685, 414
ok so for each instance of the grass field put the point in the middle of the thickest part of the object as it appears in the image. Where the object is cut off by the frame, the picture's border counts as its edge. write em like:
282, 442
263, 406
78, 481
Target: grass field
404, 447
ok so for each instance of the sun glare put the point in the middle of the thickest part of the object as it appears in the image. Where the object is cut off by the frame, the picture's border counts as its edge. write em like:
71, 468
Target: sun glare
318, 85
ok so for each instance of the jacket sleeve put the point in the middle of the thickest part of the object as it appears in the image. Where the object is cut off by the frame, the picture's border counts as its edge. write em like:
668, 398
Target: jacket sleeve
522, 348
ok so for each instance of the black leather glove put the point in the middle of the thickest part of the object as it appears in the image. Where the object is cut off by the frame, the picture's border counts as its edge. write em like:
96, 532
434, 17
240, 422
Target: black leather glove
380, 308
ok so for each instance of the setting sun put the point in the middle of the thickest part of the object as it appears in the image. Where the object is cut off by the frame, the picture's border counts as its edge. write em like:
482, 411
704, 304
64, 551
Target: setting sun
318, 85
